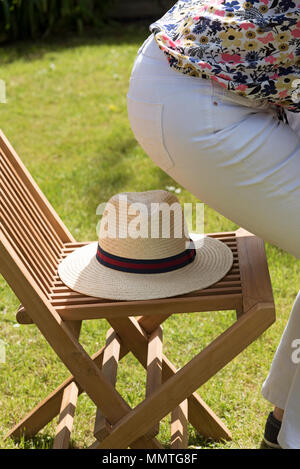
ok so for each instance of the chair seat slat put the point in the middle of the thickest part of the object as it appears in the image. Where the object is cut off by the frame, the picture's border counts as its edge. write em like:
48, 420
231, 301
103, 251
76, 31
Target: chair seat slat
111, 309
60, 291
72, 297
229, 235
74, 300
229, 278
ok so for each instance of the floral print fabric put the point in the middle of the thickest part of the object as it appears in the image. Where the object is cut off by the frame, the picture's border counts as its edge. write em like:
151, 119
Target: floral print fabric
249, 47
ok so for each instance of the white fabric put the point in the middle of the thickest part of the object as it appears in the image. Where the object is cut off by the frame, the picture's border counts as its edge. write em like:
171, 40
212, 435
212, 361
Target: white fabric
236, 156
282, 386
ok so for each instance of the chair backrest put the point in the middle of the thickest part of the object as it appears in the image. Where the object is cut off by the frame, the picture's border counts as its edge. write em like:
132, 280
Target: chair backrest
28, 222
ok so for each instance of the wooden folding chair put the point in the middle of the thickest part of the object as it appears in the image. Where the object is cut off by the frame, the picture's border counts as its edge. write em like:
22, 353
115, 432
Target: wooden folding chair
33, 242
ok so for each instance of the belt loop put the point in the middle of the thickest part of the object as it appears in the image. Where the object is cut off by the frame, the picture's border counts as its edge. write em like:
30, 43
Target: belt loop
218, 89
282, 115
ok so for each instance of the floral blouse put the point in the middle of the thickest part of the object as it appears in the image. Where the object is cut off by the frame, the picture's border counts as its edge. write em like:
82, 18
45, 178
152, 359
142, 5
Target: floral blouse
249, 47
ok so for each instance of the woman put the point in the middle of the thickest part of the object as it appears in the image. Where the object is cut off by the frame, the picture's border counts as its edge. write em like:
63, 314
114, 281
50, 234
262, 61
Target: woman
213, 100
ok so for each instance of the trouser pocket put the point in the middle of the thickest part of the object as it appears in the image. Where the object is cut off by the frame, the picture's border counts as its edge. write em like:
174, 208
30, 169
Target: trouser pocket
146, 120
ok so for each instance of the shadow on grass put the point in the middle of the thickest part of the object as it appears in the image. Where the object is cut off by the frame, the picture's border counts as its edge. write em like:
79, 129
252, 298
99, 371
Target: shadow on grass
37, 442
110, 175
102, 183
131, 33
195, 442
200, 442
43, 441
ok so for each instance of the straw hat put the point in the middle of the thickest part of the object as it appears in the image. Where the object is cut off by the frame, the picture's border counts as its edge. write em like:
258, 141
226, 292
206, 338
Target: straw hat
144, 252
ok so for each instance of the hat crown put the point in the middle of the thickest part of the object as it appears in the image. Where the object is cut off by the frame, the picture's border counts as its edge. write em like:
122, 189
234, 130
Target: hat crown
143, 225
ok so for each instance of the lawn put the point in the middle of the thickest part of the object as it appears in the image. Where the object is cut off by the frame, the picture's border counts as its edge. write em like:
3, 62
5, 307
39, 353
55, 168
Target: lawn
66, 117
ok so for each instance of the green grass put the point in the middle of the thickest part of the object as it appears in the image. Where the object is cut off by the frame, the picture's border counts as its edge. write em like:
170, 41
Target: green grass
66, 116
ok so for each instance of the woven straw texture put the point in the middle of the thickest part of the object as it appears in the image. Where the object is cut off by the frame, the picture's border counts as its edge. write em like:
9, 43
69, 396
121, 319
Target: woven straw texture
160, 217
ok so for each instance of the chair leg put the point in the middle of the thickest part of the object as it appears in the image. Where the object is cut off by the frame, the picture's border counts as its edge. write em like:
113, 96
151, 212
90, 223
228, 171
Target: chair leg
109, 369
68, 349
201, 416
179, 426
154, 370
69, 401
189, 378
66, 418
203, 419
49, 408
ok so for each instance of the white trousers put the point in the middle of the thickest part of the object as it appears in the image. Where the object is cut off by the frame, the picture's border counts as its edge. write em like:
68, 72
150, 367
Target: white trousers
236, 156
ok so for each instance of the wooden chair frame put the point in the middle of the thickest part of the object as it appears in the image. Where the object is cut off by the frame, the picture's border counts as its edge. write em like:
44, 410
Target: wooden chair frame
33, 242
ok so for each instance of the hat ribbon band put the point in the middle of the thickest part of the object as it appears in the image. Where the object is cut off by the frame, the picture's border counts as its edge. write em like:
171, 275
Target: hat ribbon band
146, 266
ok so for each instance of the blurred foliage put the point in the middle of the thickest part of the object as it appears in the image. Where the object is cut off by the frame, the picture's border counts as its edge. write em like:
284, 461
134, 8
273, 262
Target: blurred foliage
20, 19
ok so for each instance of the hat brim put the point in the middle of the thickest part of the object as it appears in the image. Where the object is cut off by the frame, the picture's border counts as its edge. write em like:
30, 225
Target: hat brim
81, 272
